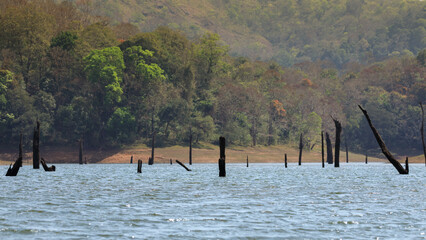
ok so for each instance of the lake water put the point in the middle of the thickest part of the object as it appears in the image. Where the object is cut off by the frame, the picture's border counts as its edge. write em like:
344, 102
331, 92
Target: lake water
264, 201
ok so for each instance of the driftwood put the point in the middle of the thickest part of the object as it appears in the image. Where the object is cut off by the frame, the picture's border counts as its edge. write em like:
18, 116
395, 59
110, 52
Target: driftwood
13, 170
139, 166
36, 147
183, 165
80, 153
222, 167
46, 168
300, 148
322, 148
285, 160
329, 149
422, 131
382, 145
337, 144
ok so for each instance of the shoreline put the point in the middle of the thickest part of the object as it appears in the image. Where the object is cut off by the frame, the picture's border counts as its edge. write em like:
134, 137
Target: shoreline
209, 154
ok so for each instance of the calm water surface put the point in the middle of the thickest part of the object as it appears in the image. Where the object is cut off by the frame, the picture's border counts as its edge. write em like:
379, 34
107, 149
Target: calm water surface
264, 201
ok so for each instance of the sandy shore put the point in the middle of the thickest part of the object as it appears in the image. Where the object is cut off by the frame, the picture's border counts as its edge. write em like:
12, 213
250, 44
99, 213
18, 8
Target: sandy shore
209, 154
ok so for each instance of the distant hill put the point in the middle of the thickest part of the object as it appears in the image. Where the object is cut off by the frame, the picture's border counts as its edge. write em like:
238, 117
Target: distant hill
288, 31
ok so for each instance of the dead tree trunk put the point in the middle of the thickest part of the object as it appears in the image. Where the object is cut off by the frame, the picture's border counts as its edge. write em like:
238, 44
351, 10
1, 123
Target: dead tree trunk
406, 165
382, 145
190, 146
366, 159
322, 148
183, 165
337, 144
347, 153
80, 153
13, 170
20, 148
36, 147
285, 160
151, 160
131, 159
139, 166
300, 148
171, 162
247, 161
222, 168
329, 149
47, 168
422, 131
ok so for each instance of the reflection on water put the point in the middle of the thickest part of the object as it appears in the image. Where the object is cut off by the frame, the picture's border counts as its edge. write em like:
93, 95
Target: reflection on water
112, 201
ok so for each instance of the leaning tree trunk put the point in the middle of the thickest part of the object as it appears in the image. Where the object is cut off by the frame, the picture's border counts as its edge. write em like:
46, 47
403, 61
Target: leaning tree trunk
13, 170
422, 131
337, 144
36, 147
329, 149
382, 145
300, 148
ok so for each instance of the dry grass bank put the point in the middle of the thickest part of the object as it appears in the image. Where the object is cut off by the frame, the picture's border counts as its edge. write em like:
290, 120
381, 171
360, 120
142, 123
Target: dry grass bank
207, 154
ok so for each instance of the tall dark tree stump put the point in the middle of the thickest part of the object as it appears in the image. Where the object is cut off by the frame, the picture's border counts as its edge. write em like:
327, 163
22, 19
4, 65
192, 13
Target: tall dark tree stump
222, 167
422, 131
247, 162
183, 165
347, 153
131, 159
300, 148
190, 146
139, 166
329, 149
151, 160
322, 149
171, 162
337, 143
36, 147
382, 145
366, 159
285, 160
20, 148
80, 153
406, 165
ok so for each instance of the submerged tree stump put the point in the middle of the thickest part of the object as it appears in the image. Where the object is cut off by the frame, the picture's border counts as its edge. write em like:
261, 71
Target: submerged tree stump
347, 153
247, 162
150, 161
329, 149
222, 167
171, 162
20, 148
322, 149
131, 159
36, 147
406, 165
183, 165
80, 153
366, 159
337, 144
382, 145
285, 160
300, 148
190, 146
13, 170
422, 131
47, 168
139, 166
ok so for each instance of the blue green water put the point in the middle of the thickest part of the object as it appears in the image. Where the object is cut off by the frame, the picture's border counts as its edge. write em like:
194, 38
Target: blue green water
264, 201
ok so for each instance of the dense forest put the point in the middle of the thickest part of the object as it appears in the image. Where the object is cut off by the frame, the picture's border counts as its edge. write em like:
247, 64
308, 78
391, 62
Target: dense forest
287, 31
88, 76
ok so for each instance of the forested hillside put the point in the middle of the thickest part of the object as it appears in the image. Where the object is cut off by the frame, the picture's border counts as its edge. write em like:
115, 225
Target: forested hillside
288, 31
112, 85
